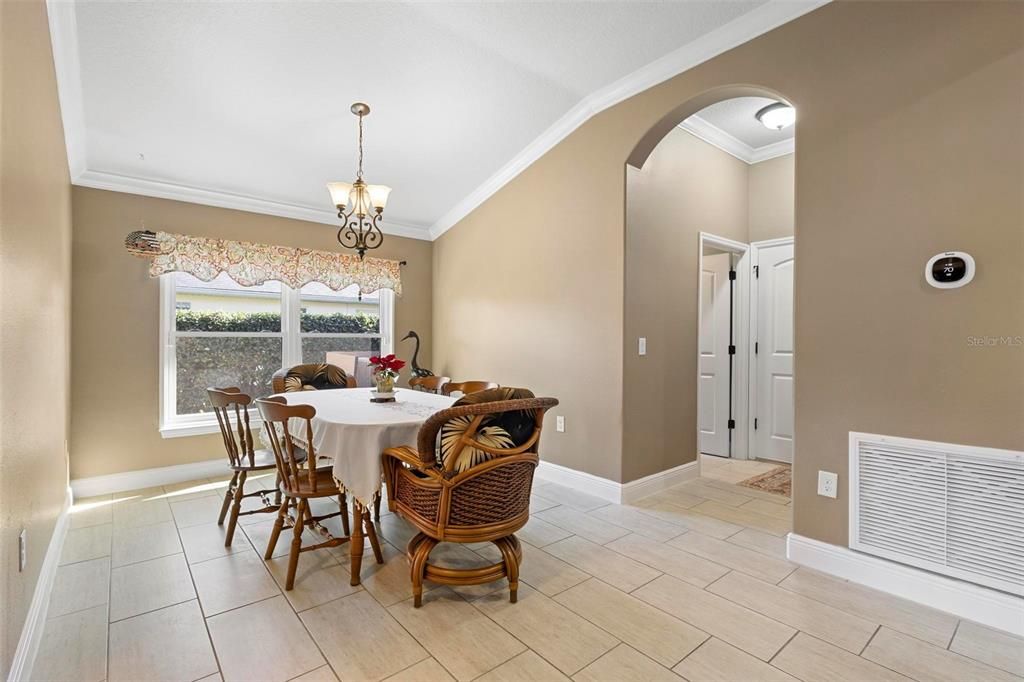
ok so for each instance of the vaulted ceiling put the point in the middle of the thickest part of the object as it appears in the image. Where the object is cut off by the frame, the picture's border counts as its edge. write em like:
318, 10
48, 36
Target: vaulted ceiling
246, 104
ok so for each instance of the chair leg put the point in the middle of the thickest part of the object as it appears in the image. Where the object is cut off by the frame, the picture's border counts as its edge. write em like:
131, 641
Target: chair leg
235, 508
276, 532
228, 494
507, 546
419, 551
376, 509
371, 533
293, 558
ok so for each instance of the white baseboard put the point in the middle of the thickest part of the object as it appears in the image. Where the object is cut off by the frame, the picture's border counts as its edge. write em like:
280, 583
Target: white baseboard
35, 619
580, 480
981, 604
146, 478
655, 483
612, 491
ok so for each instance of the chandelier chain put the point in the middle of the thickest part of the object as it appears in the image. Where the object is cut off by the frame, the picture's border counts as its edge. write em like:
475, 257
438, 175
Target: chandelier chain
359, 173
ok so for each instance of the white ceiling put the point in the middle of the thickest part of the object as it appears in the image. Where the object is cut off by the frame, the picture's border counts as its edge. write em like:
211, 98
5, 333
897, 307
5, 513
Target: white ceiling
737, 118
246, 104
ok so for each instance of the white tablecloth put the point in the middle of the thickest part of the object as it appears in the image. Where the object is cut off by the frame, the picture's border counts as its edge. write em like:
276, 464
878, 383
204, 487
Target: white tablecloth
354, 431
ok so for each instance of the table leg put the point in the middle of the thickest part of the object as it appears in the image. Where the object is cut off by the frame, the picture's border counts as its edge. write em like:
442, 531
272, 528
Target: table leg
356, 541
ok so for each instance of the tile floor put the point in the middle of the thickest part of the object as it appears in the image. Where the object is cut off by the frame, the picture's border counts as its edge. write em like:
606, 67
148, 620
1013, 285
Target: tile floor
691, 584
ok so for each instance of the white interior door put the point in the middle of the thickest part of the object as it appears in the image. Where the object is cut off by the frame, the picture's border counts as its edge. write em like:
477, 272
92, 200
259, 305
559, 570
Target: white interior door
773, 403
713, 342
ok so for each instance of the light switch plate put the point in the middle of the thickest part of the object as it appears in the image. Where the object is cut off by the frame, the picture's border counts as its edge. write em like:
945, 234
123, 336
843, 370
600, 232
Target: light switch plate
560, 424
828, 483
642, 346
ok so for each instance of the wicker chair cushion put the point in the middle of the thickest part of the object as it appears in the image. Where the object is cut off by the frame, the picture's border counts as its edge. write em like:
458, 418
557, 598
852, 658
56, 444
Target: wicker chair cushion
314, 377
500, 431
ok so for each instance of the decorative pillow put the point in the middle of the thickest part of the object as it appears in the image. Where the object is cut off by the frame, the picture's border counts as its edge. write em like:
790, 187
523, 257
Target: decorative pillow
504, 430
314, 377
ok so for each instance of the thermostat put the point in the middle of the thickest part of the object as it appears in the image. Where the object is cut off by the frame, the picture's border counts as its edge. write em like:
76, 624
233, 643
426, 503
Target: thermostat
949, 270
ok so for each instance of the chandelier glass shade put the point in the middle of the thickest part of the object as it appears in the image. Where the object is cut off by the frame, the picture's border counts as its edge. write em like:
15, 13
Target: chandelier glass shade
360, 206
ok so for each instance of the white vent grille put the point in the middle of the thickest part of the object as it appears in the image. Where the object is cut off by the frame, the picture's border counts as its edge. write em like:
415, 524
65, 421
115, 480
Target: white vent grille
950, 509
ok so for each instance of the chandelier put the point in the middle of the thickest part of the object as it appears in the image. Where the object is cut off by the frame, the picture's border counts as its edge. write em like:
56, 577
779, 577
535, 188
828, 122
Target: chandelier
360, 206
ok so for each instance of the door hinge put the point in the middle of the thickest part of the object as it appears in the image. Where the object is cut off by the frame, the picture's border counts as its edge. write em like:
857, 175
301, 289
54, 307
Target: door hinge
732, 423
755, 347
732, 349
732, 274
756, 269
755, 423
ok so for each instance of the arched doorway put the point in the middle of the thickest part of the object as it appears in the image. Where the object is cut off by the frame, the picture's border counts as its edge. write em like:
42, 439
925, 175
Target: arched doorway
703, 198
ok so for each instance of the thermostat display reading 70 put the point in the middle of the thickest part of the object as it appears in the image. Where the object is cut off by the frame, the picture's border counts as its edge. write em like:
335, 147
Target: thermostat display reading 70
949, 270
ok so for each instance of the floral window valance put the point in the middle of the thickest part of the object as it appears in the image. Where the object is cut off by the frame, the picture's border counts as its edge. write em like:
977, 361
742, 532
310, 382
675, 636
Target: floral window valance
252, 264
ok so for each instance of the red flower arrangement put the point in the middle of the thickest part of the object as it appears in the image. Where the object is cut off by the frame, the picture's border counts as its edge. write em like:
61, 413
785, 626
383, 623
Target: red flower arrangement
388, 365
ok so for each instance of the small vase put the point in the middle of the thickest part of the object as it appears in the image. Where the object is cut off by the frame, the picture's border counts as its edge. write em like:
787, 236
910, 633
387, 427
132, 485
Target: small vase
385, 382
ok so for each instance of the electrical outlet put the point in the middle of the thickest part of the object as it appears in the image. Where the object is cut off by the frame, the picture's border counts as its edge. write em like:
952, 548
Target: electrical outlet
828, 483
22, 549
560, 424
642, 346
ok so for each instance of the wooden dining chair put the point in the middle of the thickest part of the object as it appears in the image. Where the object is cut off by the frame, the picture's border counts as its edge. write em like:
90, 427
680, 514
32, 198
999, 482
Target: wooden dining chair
475, 489
317, 376
467, 387
428, 384
231, 407
301, 483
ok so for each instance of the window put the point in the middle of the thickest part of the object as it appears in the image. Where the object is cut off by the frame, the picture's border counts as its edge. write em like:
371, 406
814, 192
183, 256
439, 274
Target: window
220, 333
332, 321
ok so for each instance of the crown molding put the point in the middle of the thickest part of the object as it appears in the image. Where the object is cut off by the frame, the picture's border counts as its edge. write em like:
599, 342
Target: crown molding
64, 42
773, 150
715, 136
238, 202
771, 15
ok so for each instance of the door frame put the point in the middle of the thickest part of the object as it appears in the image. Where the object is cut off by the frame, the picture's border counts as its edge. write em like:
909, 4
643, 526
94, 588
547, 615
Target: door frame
752, 356
741, 339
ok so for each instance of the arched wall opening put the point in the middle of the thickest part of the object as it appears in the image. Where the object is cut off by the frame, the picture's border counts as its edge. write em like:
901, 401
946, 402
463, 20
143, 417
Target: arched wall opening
885, 183
681, 183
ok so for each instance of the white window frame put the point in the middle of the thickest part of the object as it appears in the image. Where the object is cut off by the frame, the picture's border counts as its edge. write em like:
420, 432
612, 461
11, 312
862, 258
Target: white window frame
173, 425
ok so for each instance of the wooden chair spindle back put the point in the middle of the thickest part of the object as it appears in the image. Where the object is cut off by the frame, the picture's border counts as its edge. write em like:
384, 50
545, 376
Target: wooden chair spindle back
276, 413
225, 401
467, 387
429, 384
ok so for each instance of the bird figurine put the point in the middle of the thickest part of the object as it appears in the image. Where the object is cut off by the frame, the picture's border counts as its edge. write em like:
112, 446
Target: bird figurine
417, 371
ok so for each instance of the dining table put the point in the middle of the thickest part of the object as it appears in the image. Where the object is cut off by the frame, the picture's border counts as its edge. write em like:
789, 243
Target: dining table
353, 431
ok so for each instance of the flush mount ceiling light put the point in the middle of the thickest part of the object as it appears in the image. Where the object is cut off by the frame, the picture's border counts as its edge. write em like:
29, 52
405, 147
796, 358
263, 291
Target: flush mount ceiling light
360, 206
776, 116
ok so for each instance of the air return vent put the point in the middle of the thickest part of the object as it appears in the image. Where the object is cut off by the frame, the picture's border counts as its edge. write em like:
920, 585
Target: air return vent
946, 508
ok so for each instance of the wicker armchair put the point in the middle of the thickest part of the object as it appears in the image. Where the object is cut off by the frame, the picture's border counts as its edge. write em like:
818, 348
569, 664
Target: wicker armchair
317, 376
475, 488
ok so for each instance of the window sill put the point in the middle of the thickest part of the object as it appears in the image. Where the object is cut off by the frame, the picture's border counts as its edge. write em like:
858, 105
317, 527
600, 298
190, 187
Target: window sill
183, 430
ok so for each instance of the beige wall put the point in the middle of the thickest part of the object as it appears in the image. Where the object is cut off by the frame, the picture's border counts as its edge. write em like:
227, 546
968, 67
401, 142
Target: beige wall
686, 187
529, 292
35, 274
909, 143
770, 200
115, 353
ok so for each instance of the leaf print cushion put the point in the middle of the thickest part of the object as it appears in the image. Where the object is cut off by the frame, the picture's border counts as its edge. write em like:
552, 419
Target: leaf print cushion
499, 431
314, 377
